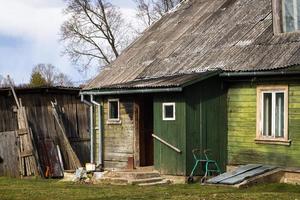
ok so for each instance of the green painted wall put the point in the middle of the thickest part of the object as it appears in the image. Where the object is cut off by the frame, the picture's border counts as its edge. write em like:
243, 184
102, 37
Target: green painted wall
242, 128
206, 120
166, 160
200, 123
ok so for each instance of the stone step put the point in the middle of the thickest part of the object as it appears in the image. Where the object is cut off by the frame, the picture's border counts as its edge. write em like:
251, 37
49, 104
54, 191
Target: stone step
133, 175
163, 182
147, 180
146, 175
114, 181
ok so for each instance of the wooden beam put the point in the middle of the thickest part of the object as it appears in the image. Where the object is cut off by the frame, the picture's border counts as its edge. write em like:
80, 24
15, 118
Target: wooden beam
22, 132
166, 143
26, 154
13, 91
276, 9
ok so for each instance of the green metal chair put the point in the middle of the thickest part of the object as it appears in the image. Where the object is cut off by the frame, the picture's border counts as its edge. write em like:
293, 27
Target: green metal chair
210, 166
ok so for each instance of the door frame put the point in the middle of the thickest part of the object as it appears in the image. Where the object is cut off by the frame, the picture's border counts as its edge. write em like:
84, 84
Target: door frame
137, 129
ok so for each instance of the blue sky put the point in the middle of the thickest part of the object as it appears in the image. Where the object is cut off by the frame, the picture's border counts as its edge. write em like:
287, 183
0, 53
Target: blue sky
29, 34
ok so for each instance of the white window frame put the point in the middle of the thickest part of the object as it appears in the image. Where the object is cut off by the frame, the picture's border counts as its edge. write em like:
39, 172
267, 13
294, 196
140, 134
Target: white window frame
261, 90
174, 111
113, 119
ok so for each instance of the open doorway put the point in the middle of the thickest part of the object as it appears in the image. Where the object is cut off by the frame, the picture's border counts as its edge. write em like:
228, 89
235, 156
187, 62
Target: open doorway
144, 130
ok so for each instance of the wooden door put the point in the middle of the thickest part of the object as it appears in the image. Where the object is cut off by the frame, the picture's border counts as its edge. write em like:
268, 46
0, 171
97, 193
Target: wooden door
144, 129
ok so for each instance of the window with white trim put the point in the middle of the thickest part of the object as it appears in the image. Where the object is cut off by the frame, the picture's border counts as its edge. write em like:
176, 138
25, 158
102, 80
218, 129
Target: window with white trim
168, 111
272, 119
286, 16
290, 15
113, 110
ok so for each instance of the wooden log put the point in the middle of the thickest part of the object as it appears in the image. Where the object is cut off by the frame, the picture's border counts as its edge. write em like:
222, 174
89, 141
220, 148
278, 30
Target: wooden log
74, 161
26, 154
276, 7
22, 132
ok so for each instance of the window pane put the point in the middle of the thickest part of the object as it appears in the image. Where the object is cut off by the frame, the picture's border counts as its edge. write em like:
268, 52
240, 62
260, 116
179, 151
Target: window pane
169, 111
288, 16
113, 110
267, 114
298, 14
279, 115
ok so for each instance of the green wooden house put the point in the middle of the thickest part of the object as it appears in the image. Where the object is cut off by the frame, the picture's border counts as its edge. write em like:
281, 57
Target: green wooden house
212, 74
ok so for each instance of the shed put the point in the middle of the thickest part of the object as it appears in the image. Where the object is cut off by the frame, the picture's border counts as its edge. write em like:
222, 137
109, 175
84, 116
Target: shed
37, 102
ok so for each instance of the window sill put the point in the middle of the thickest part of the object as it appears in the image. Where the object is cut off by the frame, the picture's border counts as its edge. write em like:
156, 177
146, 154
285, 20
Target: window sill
169, 119
273, 141
114, 122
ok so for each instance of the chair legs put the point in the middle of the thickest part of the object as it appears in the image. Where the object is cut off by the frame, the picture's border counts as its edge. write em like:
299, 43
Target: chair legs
208, 171
190, 179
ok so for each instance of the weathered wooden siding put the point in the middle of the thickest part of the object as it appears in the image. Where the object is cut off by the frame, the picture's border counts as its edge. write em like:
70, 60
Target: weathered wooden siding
9, 163
166, 160
41, 120
118, 139
242, 128
206, 120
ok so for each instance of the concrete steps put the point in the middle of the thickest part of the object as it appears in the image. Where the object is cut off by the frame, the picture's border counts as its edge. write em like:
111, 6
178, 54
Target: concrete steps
162, 182
132, 174
145, 180
135, 178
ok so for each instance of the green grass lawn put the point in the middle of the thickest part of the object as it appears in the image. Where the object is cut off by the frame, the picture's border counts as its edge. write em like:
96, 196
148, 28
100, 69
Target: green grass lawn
51, 189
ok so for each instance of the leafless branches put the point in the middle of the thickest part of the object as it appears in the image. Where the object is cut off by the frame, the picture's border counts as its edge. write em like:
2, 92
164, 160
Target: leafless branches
4, 82
94, 32
51, 75
150, 11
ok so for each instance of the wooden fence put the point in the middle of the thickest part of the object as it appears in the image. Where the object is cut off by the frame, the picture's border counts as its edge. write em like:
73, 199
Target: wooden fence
39, 113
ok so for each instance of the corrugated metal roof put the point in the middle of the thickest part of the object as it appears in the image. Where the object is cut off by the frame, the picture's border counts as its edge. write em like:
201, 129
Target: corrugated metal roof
161, 82
27, 88
240, 174
201, 35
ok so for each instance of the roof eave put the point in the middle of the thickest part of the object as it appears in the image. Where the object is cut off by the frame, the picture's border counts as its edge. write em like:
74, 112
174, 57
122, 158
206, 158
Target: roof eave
118, 91
202, 78
258, 73
130, 91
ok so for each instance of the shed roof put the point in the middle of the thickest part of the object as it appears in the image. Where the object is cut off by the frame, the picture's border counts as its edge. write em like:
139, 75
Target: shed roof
28, 89
204, 35
179, 80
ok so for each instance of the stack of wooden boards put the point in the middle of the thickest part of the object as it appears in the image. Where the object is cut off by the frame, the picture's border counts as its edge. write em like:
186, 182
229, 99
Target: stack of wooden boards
28, 157
51, 163
65, 145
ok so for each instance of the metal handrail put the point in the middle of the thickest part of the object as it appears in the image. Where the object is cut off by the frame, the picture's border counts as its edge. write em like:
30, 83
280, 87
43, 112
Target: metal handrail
166, 143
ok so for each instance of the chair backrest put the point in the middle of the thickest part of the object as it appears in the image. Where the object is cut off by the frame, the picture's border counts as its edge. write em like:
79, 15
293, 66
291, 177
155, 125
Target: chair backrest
197, 154
206, 152
200, 154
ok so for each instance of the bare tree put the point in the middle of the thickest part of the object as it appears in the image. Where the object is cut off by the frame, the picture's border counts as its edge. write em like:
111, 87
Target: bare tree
1, 80
149, 11
63, 79
145, 12
51, 75
4, 82
94, 33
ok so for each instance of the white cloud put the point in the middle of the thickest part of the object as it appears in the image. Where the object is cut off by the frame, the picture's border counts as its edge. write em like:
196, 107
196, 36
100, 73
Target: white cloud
37, 23
29, 19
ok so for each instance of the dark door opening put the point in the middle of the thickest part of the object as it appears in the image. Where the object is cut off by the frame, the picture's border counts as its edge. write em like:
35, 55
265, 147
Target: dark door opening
144, 128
